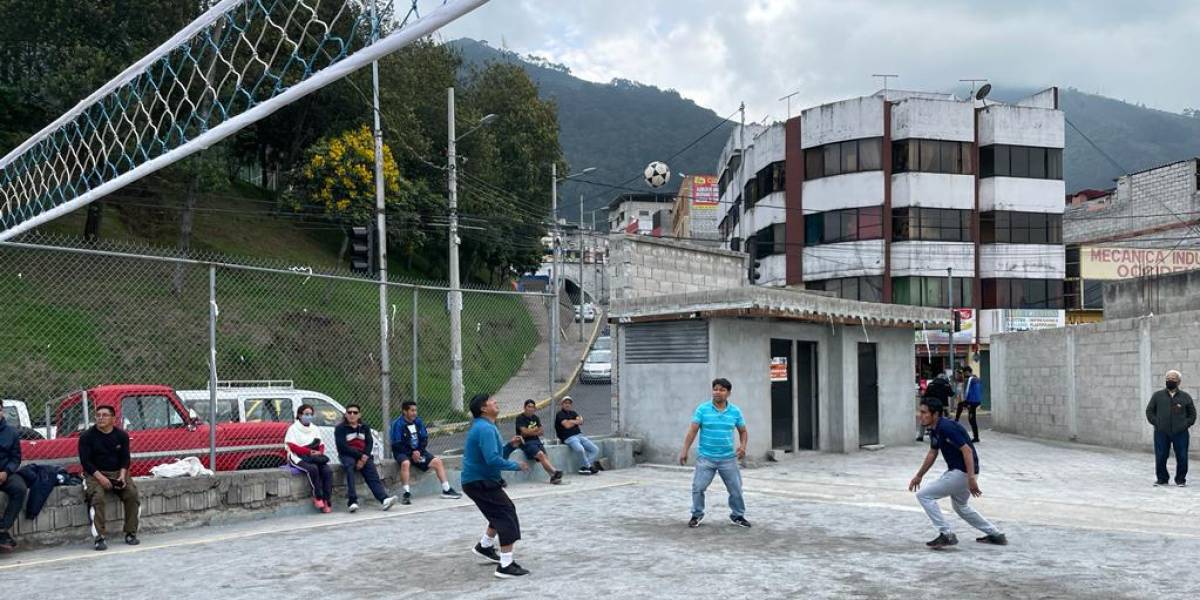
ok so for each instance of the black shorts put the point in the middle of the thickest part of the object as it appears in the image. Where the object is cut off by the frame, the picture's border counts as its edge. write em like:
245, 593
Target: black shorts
531, 447
496, 507
426, 459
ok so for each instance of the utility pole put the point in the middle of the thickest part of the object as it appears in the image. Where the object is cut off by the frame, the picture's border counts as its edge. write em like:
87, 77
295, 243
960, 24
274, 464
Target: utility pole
554, 277
385, 361
581, 255
740, 179
456, 374
950, 291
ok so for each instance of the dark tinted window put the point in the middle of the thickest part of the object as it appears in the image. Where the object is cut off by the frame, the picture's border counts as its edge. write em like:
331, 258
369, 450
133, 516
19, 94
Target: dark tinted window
833, 159
839, 158
845, 225
931, 224
1020, 161
869, 158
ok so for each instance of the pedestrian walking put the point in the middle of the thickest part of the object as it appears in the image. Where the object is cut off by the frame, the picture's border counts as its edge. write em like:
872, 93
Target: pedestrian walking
715, 422
484, 457
1172, 412
972, 398
959, 482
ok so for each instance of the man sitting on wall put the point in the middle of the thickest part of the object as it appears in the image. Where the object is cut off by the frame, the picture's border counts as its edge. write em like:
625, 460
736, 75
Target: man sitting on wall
104, 455
566, 426
529, 427
410, 441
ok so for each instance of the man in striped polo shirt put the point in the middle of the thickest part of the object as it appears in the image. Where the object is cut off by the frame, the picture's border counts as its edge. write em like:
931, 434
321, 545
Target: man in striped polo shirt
715, 422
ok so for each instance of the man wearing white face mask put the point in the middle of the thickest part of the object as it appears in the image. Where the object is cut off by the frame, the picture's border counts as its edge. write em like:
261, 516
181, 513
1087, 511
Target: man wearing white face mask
1171, 412
307, 453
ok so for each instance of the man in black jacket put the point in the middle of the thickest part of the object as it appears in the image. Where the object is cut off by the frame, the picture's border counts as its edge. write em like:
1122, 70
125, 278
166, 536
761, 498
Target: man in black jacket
1171, 412
10, 483
104, 455
941, 390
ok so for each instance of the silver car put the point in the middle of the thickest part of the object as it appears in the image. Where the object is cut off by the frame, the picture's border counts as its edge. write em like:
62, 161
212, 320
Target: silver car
597, 367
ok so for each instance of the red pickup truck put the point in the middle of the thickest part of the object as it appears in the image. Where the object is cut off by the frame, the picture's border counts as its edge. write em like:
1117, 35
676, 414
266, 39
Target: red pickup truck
160, 430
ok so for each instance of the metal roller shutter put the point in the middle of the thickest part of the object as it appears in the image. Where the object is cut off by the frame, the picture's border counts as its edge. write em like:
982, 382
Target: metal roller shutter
678, 342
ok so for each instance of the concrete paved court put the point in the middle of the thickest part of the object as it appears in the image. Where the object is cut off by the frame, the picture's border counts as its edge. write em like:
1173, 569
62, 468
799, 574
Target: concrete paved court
1083, 522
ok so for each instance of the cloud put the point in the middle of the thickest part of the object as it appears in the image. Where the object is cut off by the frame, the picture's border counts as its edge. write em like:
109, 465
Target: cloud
720, 53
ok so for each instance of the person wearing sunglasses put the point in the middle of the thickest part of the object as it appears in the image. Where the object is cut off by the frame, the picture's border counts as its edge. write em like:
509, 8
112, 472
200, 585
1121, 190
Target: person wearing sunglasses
354, 445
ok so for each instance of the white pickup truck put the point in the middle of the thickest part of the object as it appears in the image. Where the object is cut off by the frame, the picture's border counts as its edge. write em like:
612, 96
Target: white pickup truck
273, 400
17, 413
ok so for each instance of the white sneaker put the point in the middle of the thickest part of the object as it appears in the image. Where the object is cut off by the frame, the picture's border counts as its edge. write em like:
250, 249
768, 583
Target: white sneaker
389, 502
353, 507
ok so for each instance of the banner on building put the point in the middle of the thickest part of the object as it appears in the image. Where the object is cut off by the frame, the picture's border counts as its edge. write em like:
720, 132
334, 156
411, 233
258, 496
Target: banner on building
1100, 262
779, 370
705, 201
965, 334
1009, 320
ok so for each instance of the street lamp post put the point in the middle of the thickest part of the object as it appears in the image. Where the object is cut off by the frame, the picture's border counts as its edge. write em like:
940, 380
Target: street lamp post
456, 373
555, 279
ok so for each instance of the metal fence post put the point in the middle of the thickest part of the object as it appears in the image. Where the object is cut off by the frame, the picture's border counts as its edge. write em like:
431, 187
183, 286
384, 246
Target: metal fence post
49, 426
212, 367
416, 350
552, 303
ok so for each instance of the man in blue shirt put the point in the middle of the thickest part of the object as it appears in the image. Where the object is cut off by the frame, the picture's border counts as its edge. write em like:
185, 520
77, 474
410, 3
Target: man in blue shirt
715, 422
484, 457
410, 441
958, 482
973, 396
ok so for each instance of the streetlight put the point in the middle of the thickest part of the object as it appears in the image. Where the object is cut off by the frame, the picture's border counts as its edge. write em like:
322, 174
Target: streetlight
554, 281
456, 374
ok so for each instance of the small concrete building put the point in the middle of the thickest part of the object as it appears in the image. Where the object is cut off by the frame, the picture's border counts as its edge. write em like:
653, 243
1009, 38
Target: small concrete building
809, 371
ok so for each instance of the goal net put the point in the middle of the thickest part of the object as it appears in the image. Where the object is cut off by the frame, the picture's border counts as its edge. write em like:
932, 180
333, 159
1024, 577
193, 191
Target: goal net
235, 64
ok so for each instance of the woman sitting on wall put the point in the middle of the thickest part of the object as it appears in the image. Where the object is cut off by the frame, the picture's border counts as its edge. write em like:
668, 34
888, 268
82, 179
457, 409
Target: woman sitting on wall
307, 453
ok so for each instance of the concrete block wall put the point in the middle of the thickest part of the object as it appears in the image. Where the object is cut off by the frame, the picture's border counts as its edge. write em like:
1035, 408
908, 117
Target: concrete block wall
1090, 383
1162, 191
1177, 292
169, 504
641, 266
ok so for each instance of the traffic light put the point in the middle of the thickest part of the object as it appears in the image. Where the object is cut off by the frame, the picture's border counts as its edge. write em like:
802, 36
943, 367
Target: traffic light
363, 255
755, 273
957, 321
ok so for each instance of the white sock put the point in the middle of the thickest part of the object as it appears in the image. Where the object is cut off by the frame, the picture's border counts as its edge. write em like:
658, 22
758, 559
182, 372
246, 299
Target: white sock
445, 486
505, 559
486, 541
406, 490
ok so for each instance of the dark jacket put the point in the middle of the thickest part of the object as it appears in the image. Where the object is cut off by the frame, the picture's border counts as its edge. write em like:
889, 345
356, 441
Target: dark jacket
1171, 415
350, 439
40, 480
941, 389
402, 442
10, 448
100, 451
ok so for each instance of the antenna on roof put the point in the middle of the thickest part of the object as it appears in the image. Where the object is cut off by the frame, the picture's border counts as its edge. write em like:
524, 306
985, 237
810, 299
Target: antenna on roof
886, 77
789, 103
973, 83
982, 94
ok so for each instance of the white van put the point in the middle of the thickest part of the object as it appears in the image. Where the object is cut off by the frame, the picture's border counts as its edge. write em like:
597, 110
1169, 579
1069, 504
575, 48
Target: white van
274, 400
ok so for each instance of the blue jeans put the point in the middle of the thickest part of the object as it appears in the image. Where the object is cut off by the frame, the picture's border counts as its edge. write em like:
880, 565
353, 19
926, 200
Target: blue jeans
369, 474
584, 447
1163, 442
728, 468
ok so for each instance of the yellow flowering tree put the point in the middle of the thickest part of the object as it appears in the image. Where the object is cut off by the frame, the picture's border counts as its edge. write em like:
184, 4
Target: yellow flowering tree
338, 177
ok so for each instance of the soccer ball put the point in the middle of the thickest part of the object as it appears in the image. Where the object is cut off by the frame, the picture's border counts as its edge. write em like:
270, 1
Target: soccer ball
657, 174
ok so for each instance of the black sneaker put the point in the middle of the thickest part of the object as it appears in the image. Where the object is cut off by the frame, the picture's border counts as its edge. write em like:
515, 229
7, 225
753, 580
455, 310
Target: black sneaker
101, 544
407, 499
943, 540
739, 521
997, 539
451, 494
503, 483
486, 553
132, 539
511, 571
596, 468
7, 543
587, 471
556, 478
695, 521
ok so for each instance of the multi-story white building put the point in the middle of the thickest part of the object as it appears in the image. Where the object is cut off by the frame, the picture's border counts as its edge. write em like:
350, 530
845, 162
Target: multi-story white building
874, 198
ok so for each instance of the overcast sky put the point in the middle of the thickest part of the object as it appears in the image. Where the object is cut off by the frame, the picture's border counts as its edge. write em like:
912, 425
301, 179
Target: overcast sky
720, 52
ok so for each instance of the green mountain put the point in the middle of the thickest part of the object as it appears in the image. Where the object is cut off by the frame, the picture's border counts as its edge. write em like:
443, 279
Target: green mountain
618, 127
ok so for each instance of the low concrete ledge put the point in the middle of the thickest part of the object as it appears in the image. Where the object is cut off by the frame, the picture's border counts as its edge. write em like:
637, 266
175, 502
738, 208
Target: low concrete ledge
169, 504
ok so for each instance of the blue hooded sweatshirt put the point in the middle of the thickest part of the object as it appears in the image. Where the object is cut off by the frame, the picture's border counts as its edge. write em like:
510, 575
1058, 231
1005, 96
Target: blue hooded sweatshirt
485, 455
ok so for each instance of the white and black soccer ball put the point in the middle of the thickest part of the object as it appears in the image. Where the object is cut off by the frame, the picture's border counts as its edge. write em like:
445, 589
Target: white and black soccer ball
657, 174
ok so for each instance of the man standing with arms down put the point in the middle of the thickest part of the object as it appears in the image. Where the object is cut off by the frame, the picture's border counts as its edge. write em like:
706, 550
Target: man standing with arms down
959, 481
716, 421
484, 457
1171, 412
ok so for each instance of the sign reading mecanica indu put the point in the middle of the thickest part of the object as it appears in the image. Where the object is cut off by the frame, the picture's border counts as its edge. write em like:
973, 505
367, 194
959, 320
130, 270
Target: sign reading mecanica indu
1098, 262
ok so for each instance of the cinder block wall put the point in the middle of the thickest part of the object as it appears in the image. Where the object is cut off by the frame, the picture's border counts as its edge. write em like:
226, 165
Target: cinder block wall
641, 266
1090, 383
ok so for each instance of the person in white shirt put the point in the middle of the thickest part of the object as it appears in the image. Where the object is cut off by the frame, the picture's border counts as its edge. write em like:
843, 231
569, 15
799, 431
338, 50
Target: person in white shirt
307, 453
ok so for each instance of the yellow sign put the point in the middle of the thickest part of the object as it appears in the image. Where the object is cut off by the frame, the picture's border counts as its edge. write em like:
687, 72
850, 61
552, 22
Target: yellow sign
1099, 262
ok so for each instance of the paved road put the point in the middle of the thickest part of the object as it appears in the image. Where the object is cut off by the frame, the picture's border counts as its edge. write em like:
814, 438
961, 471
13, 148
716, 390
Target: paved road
1084, 522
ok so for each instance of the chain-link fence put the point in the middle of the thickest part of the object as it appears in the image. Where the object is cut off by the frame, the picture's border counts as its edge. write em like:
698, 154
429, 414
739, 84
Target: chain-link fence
85, 327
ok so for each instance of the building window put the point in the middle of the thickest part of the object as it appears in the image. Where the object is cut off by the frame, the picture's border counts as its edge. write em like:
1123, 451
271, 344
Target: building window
1022, 293
931, 224
770, 240
932, 291
867, 289
847, 225
839, 158
932, 156
1008, 227
1020, 161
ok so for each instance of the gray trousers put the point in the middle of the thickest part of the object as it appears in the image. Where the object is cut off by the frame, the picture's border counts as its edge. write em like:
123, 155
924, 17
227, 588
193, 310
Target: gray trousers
952, 484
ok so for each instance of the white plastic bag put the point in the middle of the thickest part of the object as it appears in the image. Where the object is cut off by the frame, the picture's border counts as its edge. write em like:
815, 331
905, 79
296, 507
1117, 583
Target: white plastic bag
187, 467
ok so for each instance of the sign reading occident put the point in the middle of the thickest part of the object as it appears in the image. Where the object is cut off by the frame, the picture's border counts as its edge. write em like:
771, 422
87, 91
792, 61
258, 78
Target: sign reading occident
1100, 262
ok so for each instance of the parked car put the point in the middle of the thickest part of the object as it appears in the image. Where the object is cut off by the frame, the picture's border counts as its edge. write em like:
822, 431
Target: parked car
17, 415
597, 367
274, 401
587, 312
603, 342
160, 430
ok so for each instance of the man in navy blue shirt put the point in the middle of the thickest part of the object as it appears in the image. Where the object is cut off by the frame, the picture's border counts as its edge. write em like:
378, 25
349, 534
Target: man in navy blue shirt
958, 482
